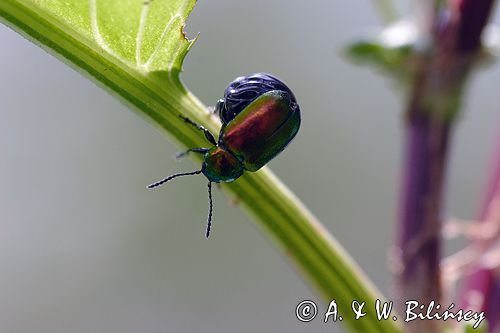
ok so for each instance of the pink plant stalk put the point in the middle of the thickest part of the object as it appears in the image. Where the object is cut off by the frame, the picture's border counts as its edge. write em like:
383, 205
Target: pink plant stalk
434, 102
481, 289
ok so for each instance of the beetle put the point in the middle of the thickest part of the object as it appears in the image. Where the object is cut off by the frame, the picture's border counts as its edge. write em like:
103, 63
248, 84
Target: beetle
260, 117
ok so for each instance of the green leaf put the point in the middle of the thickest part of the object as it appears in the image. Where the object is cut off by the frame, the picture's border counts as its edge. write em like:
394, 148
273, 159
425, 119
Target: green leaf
138, 33
135, 49
394, 50
396, 62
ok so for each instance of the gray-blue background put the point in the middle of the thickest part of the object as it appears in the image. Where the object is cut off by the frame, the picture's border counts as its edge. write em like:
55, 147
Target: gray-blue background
84, 247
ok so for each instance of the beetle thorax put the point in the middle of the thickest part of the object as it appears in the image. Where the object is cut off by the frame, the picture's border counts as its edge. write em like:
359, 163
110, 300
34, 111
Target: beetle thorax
220, 165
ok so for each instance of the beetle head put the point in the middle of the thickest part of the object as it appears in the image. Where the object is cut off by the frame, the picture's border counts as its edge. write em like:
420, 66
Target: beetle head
221, 166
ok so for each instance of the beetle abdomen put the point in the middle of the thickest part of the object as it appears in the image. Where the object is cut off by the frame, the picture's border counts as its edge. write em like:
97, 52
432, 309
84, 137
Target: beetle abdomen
245, 89
262, 129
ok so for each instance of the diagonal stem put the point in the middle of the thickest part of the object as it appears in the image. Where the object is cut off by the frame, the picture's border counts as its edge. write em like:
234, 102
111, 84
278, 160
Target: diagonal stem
161, 97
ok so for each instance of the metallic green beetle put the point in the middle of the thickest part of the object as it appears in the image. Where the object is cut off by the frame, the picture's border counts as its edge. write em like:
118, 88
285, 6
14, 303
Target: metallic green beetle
260, 117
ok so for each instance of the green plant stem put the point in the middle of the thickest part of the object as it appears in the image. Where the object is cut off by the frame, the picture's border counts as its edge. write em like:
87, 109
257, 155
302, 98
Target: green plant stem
160, 97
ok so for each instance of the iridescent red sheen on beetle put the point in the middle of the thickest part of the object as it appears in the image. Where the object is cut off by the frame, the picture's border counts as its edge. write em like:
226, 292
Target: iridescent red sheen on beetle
260, 117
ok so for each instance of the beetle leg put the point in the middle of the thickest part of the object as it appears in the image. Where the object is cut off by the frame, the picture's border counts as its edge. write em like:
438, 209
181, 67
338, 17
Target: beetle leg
218, 108
208, 135
191, 150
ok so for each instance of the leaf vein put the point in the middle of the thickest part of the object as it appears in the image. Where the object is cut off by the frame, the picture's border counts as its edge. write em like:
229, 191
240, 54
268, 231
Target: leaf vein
167, 29
140, 32
97, 34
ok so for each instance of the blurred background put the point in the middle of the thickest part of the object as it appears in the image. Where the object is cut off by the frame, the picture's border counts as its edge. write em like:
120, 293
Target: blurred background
84, 247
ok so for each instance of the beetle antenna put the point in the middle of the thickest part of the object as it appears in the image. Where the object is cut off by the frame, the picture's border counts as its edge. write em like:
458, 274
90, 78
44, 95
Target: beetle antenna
210, 210
163, 181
